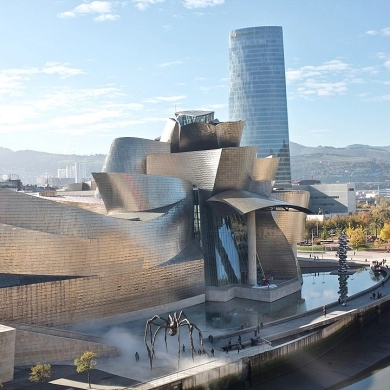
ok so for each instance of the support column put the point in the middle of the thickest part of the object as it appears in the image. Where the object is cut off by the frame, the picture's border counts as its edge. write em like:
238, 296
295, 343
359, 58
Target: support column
251, 234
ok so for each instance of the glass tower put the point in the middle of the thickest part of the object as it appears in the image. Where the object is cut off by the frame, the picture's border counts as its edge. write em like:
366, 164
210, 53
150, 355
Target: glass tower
257, 84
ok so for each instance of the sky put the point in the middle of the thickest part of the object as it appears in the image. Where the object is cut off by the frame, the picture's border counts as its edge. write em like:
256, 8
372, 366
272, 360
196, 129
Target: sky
75, 75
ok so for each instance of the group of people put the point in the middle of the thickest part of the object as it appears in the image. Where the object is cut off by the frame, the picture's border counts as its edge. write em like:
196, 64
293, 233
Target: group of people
314, 257
377, 295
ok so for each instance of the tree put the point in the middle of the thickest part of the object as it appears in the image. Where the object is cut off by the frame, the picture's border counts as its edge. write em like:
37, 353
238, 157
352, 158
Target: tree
40, 373
385, 232
86, 363
357, 237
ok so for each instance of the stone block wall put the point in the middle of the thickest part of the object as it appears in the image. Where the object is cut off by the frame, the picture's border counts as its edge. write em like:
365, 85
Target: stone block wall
7, 351
32, 347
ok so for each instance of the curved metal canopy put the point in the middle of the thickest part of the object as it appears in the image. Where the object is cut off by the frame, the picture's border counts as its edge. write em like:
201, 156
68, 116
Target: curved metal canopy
244, 202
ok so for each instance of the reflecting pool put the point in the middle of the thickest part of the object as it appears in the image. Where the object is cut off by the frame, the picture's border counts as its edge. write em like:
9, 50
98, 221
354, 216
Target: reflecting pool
318, 289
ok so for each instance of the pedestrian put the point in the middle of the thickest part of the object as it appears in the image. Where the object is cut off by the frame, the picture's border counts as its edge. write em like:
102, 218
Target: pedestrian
136, 356
183, 348
239, 339
212, 352
258, 328
261, 325
227, 348
255, 332
324, 310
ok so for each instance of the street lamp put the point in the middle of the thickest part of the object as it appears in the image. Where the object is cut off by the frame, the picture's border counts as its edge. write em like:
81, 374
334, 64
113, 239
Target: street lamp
320, 212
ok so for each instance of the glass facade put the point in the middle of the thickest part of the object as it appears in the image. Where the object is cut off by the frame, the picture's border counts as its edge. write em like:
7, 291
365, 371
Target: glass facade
257, 94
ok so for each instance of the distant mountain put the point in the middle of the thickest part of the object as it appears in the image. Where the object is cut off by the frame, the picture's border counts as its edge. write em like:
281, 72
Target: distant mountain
363, 164
29, 164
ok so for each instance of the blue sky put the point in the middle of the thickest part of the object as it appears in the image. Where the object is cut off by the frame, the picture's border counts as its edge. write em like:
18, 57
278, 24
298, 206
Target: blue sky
76, 74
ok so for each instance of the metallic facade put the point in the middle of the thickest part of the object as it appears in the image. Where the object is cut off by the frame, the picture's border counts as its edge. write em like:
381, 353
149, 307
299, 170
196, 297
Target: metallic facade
173, 224
258, 93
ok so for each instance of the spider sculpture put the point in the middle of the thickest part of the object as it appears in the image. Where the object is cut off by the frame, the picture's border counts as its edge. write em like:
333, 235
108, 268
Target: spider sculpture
172, 327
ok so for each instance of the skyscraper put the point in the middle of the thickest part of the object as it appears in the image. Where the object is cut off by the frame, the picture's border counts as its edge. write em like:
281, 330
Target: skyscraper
257, 94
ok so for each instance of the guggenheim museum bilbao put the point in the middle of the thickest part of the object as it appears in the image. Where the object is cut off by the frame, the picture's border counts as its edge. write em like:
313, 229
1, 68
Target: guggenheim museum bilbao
190, 215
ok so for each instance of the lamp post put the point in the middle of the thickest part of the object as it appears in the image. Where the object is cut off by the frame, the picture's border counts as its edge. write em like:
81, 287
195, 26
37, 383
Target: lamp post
312, 242
320, 212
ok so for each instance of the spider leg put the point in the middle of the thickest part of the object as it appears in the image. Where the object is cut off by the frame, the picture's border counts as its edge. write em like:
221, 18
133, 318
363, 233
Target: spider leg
148, 330
190, 329
178, 351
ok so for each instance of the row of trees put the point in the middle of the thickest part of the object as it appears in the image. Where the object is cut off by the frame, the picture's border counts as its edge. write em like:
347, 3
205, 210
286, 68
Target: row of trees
371, 224
42, 372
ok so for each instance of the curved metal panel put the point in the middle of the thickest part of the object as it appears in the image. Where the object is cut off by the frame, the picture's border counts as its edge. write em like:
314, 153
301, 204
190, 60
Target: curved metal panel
274, 251
64, 240
229, 133
205, 136
243, 202
199, 168
292, 224
197, 136
261, 187
265, 168
128, 154
234, 169
126, 192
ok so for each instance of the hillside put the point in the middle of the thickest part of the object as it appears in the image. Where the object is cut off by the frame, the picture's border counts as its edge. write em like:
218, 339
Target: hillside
361, 164
29, 164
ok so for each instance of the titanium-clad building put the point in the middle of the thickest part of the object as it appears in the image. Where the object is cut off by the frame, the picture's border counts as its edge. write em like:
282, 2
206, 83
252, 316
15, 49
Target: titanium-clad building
257, 94
190, 219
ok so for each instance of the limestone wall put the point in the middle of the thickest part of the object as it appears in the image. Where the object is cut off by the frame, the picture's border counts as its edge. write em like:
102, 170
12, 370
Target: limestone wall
7, 351
32, 347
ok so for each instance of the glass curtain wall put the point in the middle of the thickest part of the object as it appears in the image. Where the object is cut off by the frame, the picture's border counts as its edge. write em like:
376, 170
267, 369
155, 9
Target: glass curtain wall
257, 93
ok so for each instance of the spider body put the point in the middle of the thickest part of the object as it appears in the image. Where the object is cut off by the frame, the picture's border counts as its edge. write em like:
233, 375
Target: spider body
171, 325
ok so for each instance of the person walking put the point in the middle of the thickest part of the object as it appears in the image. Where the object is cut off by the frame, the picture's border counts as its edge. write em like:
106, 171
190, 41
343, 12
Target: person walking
324, 310
136, 356
183, 348
212, 352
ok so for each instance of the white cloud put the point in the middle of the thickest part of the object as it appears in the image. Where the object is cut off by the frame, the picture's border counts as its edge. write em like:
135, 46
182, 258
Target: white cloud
202, 3
170, 98
144, 4
167, 27
309, 71
165, 64
106, 17
210, 87
312, 87
103, 9
62, 70
13, 81
385, 32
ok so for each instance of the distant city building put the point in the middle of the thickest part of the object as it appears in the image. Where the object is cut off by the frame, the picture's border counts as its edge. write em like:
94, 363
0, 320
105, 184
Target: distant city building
11, 176
61, 173
11, 184
257, 94
80, 169
70, 171
331, 198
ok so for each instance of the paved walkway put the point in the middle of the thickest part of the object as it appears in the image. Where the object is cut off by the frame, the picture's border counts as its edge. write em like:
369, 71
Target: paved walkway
141, 372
